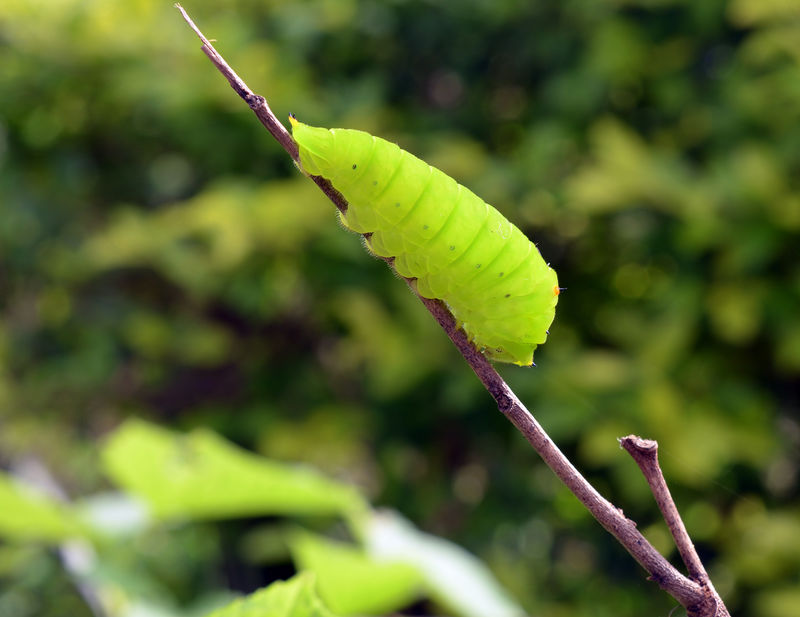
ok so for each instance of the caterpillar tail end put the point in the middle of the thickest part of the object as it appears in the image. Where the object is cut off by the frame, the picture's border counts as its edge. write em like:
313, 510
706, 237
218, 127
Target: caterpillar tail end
295, 124
316, 147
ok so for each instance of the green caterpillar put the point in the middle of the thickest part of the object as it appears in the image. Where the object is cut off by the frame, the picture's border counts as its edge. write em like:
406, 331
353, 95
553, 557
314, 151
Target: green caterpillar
457, 247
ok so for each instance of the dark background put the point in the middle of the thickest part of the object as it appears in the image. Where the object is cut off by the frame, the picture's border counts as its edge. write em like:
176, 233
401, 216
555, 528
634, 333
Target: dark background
161, 258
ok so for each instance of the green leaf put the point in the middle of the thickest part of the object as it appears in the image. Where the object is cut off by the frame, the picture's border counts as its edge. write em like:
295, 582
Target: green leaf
200, 475
352, 582
29, 515
293, 598
453, 576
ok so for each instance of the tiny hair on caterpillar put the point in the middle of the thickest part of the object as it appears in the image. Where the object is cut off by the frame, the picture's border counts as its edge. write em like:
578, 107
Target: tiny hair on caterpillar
452, 244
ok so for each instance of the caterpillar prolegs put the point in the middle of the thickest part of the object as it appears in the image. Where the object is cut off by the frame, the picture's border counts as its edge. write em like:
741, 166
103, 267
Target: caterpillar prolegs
457, 247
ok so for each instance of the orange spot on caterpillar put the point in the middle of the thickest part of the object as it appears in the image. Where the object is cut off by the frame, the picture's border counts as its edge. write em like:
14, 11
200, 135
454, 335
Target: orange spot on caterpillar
556, 290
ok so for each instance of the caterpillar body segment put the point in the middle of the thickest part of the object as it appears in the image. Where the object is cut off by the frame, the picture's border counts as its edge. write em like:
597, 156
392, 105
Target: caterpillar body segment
457, 247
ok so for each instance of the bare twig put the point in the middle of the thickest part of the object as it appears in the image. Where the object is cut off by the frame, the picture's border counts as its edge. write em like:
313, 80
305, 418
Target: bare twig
689, 593
256, 102
260, 107
645, 453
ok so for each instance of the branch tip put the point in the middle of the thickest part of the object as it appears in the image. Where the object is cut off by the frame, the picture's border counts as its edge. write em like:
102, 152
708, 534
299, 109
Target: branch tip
192, 25
256, 102
640, 449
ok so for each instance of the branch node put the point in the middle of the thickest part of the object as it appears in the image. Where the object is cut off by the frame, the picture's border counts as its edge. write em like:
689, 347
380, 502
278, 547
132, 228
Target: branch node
255, 101
504, 403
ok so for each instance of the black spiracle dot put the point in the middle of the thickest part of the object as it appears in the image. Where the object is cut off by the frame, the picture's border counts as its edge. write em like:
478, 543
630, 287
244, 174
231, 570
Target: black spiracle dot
477, 266
508, 295
354, 165
452, 247
374, 183
425, 227
501, 274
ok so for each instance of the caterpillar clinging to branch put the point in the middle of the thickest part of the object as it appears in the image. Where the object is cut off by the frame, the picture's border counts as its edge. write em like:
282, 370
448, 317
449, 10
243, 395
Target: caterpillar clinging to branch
457, 247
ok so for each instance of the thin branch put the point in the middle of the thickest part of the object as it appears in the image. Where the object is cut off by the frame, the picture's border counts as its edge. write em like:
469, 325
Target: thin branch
689, 593
260, 107
256, 102
645, 453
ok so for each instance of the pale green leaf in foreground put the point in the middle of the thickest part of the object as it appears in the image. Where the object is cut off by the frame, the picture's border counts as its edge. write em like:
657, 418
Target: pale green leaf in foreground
453, 576
26, 514
293, 598
200, 475
352, 582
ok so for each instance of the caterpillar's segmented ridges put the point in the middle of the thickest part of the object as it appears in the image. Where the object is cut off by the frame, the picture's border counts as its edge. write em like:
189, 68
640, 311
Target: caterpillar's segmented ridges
416, 203
355, 219
509, 278
396, 238
350, 179
408, 254
442, 280
442, 249
395, 174
459, 274
429, 226
486, 269
451, 216
386, 241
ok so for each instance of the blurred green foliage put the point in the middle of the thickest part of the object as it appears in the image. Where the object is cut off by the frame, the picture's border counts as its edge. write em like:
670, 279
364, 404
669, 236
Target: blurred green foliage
294, 598
26, 514
384, 565
203, 476
354, 583
160, 257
